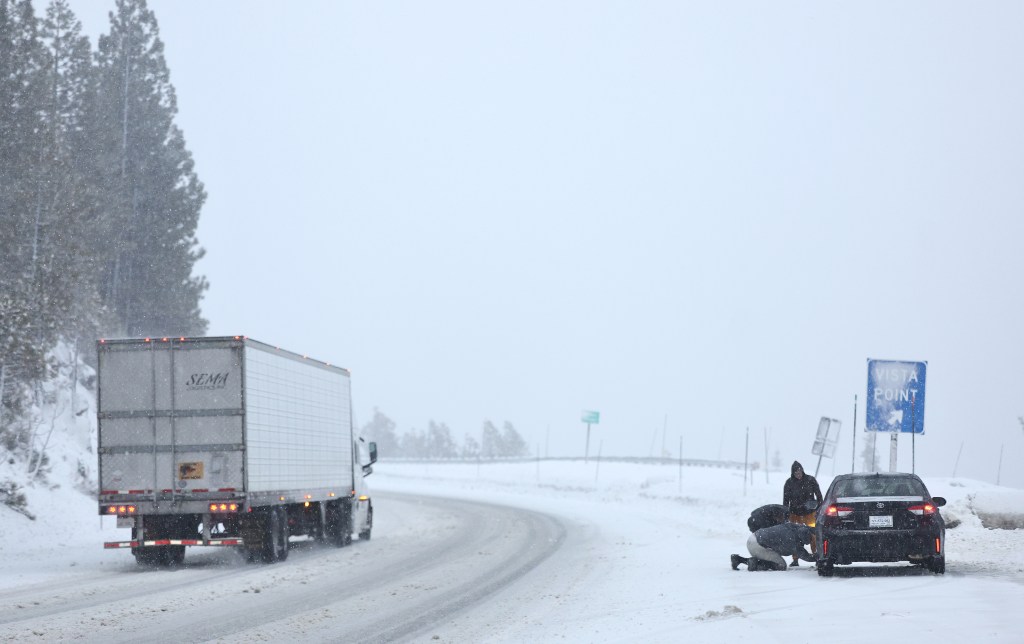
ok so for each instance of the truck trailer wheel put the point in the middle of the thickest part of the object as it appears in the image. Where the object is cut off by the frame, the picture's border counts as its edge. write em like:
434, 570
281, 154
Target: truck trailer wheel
159, 555
275, 537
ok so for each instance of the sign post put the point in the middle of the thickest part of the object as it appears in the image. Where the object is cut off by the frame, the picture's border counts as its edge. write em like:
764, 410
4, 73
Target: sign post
824, 443
590, 418
895, 401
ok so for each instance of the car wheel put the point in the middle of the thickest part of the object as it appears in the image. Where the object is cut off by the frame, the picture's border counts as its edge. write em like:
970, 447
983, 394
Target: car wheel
938, 564
826, 569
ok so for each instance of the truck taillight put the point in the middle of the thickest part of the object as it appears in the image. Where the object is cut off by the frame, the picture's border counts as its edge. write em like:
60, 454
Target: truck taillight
223, 507
121, 510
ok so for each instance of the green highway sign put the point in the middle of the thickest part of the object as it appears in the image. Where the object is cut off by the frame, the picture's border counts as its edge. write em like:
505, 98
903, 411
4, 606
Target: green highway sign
591, 417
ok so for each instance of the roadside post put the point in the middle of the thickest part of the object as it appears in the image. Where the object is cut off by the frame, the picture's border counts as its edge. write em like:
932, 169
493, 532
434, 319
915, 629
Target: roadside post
895, 402
590, 418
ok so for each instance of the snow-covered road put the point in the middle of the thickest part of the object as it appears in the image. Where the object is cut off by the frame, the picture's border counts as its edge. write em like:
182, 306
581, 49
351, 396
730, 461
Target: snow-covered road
517, 552
430, 559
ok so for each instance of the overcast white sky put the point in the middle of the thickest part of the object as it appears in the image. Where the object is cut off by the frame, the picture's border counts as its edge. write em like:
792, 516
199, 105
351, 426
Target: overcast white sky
714, 211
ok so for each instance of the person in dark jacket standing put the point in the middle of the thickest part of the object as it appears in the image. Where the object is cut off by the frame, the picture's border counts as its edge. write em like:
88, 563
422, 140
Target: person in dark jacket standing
801, 494
769, 545
767, 516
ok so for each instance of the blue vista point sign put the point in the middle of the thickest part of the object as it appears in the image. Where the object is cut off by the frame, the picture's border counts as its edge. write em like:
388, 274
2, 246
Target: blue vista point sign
896, 396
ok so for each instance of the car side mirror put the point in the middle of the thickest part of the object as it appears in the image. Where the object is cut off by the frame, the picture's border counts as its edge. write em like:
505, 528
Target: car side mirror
373, 452
939, 501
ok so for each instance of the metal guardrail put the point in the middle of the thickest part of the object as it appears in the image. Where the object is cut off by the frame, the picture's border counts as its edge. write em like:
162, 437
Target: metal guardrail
691, 462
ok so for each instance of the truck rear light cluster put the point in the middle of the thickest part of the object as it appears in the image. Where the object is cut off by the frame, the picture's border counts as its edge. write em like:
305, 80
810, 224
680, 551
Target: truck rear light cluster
223, 507
120, 510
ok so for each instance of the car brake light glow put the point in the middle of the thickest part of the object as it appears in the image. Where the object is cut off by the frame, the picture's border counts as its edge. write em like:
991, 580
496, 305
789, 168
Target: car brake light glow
838, 511
938, 545
922, 510
121, 510
223, 507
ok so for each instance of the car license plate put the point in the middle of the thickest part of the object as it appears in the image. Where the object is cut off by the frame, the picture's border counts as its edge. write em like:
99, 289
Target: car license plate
880, 521
126, 522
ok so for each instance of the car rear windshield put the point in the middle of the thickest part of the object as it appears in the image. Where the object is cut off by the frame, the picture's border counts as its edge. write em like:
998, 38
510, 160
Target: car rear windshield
880, 486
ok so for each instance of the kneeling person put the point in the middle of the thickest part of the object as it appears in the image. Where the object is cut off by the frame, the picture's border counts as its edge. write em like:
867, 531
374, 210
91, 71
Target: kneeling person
769, 545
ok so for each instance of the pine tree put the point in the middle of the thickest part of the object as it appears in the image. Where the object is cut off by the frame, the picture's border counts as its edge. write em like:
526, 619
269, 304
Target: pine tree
490, 443
439, 441
68, 206
381, 430
26, 328
152, 192
470, 448
513, 444
414, 444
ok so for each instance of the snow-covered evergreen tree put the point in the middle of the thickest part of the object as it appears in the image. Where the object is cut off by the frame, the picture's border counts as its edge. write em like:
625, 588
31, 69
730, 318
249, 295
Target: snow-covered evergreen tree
381, 430
153, 190
490, 442
512, 443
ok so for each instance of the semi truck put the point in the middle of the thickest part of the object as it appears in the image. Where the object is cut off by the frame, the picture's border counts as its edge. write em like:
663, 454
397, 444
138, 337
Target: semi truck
227, 442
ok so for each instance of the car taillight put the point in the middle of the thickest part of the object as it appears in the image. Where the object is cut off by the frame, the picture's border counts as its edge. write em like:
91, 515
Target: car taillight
223, 507
121, 510
925, 509
838, 511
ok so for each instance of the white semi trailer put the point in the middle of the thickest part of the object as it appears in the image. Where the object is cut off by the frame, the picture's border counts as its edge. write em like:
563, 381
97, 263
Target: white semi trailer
225, 441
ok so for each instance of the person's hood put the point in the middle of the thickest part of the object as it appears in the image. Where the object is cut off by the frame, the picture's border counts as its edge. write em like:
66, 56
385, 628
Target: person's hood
792, 470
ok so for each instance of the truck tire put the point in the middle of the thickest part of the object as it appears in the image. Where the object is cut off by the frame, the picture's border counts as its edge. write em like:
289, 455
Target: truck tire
282, 541
163, 556
339, 525
275, 537
174, 555
365, 534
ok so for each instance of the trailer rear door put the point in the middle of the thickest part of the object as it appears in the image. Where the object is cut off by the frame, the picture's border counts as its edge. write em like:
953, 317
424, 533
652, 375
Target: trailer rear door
171, 416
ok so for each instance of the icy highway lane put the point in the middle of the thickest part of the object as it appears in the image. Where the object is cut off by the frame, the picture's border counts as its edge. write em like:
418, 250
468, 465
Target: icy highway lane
429, 560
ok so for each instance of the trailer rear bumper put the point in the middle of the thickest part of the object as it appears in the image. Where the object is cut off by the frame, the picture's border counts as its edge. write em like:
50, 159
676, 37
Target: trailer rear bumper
173, 542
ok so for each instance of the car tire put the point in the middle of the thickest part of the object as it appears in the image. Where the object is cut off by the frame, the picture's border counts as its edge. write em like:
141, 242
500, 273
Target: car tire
826, 569
937, 565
